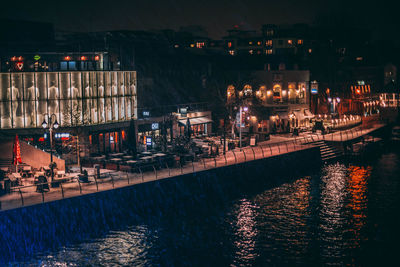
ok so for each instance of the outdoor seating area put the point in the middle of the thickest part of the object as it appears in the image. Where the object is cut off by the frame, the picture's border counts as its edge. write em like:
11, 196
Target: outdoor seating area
126, 161
26, 175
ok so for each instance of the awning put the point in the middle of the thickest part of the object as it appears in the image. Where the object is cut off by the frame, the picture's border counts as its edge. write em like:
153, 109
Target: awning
308, 114
195, 121
299, 115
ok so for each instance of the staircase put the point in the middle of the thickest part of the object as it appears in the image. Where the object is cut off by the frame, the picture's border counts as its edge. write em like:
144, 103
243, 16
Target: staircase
328, 151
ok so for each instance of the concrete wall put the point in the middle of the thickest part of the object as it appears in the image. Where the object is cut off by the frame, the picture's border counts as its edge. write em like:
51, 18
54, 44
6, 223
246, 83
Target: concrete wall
38, 158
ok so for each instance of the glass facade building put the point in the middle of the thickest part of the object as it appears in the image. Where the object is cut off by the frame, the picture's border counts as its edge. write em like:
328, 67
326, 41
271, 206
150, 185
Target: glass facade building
76, 98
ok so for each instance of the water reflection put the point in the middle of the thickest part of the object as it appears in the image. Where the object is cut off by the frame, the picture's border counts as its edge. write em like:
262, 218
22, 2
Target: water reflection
118, 248
357, 187
318, 220
245, 231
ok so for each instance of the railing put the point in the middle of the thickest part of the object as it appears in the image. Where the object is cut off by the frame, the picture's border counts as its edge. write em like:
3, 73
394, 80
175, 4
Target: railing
35, 194
32, 194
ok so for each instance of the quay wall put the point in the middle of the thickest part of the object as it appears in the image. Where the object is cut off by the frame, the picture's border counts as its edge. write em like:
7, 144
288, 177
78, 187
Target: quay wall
49, 226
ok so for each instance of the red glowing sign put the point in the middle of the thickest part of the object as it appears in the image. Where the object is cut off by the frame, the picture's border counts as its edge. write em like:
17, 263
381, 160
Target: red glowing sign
67, 58
41, 139
19, 65
83, 58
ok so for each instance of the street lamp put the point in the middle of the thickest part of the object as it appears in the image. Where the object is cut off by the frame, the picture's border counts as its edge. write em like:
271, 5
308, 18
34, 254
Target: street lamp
53, 124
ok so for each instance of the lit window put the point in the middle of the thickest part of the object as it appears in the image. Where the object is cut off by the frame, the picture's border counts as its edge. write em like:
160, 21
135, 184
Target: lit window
268, 51
289, 41
268, 43
191, 45
310, 50
250, 43
359, 58
300, 42
258, 43
176, 46
200, 44
232, 52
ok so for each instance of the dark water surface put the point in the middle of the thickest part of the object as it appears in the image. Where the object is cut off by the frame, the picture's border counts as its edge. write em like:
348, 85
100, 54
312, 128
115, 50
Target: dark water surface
340, 214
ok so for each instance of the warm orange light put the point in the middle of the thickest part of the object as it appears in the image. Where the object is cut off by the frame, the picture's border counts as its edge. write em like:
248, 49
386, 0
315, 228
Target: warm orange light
67, 58
83, 58
97, 58
14, 58
229, 44
20, 58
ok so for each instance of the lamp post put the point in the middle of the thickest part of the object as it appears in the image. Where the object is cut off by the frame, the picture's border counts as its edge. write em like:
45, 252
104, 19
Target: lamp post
53, 124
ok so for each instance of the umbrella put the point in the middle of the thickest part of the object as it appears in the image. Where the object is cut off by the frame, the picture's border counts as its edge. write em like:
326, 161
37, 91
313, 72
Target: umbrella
17, 151
188, 128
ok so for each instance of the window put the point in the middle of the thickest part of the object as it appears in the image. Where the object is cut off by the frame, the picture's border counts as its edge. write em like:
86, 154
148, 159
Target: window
232, 52
290, 41
191, 45
268, 43
251, 51
300, 42
200, 44
258, 43
309, 50
268, 51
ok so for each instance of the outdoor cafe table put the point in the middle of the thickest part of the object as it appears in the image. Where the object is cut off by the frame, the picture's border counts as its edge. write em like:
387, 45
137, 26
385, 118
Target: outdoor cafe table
116, 155
147, 158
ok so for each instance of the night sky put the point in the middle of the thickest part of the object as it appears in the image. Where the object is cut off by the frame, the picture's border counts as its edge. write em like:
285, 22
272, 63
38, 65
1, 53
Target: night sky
215, 15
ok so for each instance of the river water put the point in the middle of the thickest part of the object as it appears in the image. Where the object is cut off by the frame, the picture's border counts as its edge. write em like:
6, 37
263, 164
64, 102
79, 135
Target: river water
340, 214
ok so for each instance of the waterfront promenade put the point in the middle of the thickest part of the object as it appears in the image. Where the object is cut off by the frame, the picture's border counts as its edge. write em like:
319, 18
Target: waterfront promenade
108, 180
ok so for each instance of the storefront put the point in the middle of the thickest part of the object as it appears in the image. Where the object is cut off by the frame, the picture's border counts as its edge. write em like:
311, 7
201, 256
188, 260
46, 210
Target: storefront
200, 126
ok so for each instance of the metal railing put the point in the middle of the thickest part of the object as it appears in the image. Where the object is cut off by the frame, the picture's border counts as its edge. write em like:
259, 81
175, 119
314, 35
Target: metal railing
76, 186
161, 169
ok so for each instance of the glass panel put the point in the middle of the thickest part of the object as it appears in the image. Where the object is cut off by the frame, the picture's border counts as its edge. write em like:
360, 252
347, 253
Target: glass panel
128, 104
93, 84
121, 108
107, 83
87, 90
127, 83
76, 85
65, 102
42, 104
115, 108
121, 83
16, 96
95, 112
54, 94
108, 109
5, 98
76, 93
31, 94
101, 82
114, 83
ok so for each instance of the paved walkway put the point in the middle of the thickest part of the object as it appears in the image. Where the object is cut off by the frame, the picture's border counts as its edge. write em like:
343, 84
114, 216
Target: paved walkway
25, 196
277, 145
